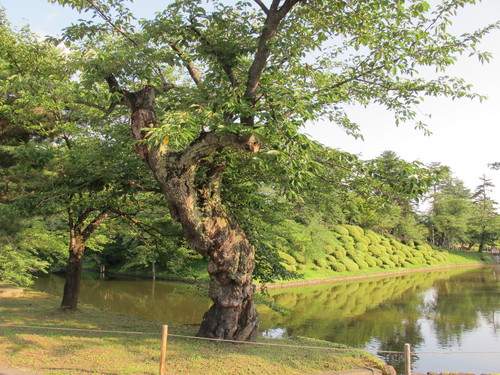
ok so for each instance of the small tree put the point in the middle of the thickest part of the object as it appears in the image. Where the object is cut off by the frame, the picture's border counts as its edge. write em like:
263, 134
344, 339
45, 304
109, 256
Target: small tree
402, 185
484, 224
450, 213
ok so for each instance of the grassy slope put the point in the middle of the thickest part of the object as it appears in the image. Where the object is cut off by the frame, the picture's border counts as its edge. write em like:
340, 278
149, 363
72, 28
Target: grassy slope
455, 258
319, 251
70, 352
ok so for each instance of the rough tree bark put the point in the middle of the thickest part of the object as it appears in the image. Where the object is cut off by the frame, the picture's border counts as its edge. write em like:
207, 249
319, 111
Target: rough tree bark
211, 232
73, 272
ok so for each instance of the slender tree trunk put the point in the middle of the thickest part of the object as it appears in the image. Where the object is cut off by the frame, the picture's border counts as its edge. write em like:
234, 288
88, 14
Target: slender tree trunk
73, 272
78, 236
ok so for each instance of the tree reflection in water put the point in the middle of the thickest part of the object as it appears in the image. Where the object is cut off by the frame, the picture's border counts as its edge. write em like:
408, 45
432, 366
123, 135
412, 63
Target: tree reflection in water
385, 313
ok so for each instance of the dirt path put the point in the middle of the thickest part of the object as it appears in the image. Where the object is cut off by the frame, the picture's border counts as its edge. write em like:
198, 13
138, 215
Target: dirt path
8, 371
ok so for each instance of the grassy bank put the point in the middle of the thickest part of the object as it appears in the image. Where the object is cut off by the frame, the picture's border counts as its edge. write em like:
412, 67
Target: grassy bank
50, 351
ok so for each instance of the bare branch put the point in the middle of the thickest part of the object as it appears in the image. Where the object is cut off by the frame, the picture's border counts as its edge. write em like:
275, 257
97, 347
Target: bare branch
262, 6
94, 224
195, 75
271, 24
228, 69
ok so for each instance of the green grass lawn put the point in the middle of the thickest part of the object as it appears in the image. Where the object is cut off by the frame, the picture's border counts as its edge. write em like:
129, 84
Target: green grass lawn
47, 351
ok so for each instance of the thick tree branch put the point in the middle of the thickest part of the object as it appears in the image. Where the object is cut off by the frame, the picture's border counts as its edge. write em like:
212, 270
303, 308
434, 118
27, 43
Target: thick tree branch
113, 84
261, 56
81, 219
287, 7
274, 17
71, 220
208, 143
275, 5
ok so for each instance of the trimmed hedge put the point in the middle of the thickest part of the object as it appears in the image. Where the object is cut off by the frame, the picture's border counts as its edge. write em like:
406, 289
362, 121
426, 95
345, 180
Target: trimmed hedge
340, 229
322, 263
338, 267
350, 264
290, 260
299, 257
348, 248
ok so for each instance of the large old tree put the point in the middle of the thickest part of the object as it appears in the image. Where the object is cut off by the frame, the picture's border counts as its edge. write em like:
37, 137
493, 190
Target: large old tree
204, 80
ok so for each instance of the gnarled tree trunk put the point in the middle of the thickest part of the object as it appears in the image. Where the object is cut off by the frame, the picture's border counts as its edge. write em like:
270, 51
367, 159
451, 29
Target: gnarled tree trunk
207, 227
196, 205
211, 232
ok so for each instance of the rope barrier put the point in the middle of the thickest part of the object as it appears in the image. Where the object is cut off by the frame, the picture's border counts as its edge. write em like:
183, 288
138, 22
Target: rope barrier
236, 341
282, 345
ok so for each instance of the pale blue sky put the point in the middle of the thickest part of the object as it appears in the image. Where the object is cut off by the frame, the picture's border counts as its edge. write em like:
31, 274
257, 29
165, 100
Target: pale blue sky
466, 134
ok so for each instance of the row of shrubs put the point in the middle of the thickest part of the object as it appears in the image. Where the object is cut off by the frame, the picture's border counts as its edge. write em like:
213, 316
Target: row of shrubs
351, 248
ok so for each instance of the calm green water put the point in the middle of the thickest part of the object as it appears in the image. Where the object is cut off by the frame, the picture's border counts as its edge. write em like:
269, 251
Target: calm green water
450, 310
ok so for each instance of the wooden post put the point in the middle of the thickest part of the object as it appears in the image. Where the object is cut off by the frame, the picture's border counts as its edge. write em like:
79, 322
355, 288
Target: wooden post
407, 359
164, 335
